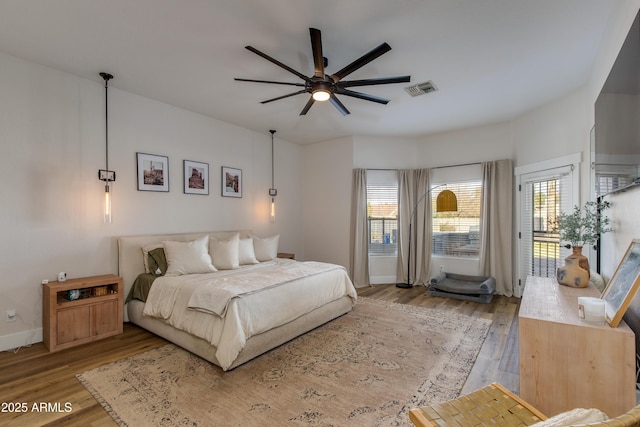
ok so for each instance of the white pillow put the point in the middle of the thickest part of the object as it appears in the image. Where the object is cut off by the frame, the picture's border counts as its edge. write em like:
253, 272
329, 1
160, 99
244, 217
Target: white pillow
573, 417
246, 254
145, 254
225, 253
266, 249
188, 257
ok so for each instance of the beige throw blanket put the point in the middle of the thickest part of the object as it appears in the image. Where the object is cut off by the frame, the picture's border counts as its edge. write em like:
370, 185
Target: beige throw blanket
215, 295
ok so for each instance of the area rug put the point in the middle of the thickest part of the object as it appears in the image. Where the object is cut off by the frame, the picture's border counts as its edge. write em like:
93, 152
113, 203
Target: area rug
366, 368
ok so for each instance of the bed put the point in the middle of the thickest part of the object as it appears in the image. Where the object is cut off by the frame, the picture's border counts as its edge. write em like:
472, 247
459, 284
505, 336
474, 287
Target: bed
232, 315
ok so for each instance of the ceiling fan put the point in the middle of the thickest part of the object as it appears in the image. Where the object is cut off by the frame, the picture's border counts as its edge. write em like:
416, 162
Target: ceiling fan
323, 87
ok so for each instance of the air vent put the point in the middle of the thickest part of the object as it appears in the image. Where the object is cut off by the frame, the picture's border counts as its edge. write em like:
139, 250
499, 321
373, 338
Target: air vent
421, 88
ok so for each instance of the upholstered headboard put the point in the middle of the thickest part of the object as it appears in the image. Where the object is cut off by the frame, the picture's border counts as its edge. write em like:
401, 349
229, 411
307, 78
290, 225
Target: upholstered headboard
130, 260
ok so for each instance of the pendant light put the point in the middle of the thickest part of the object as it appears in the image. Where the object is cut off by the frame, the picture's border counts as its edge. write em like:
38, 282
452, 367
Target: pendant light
272, 191
105, 174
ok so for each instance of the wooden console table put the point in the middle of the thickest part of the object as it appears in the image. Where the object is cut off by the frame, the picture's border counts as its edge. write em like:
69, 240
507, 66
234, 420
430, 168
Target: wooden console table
567, 363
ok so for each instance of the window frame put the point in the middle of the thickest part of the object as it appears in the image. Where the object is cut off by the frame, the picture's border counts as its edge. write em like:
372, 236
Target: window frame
387, 242
454, 240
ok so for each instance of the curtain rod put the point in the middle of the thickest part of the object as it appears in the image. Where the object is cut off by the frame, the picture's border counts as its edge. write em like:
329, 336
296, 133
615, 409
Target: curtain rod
435, 167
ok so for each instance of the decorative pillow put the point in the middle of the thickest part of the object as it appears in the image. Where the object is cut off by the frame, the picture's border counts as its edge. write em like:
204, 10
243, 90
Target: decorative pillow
188, 257
266, 249
246, 253
573, 417
225, 253
157, 262
145, 254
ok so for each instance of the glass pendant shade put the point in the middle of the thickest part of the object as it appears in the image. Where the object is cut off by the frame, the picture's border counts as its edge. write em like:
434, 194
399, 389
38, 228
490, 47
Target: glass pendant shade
107, 204
272, 210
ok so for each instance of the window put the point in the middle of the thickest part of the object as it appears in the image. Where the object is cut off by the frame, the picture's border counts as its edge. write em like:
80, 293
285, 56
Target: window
458, 233
609, 183
382, 212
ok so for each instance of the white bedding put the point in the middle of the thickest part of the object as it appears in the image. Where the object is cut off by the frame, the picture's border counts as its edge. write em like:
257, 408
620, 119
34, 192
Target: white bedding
245, 310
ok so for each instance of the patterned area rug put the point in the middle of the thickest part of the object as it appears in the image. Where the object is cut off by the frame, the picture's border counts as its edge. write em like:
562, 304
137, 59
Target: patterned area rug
366, 368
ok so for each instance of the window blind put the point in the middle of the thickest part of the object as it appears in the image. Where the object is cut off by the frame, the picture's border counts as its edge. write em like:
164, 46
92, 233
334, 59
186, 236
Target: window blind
543, 197
382, 211
458, 233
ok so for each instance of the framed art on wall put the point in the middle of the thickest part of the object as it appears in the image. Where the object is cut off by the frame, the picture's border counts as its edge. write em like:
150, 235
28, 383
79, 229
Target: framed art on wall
231, 182
623, 285
196, 177
153, 172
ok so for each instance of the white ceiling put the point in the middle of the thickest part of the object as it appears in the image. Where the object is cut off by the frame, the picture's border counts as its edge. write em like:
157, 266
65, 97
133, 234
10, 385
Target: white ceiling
492, 60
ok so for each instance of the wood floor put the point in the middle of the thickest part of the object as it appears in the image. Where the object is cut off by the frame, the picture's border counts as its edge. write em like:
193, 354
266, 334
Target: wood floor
38, 388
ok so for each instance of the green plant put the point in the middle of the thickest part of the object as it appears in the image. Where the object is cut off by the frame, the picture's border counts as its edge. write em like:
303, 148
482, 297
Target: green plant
584, 225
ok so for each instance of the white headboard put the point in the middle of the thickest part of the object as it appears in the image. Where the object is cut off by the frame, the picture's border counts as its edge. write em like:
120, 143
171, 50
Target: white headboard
130, 261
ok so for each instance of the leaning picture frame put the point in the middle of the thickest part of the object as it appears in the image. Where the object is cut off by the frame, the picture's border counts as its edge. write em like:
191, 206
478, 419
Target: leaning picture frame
196, 177
623, 285
153, 172
231, 182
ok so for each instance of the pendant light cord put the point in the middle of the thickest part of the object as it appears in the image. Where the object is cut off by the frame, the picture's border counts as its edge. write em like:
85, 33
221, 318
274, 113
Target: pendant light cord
272, 160
106, 125
106, 77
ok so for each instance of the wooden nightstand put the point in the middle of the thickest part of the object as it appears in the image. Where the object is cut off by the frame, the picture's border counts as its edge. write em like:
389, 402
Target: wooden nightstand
96, 314
286, 255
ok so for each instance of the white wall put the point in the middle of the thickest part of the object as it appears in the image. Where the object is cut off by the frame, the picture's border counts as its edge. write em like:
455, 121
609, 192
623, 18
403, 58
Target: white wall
624, 221
51, 147
371, 152
326, 200
472, 145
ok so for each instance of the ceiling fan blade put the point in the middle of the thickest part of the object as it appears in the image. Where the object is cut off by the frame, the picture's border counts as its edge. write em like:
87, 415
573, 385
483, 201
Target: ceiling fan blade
377, 81
269, 81
316, 47
361, 62
307, 106
278, 63
364, 96
336, 103
283, 96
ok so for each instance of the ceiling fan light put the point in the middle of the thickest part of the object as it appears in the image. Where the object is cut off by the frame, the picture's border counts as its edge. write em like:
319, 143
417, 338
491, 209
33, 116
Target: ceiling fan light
321, 95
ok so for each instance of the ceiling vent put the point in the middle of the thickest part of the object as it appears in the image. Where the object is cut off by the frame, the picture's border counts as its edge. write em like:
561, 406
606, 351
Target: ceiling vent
421, 88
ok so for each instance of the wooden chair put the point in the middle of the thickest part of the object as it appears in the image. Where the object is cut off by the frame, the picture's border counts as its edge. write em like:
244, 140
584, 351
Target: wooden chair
490, 405
494, 405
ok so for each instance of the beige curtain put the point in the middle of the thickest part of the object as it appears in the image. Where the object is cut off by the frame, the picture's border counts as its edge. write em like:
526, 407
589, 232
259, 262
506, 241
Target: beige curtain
412, 187
359, 262
496, 224
422, 226
405, 204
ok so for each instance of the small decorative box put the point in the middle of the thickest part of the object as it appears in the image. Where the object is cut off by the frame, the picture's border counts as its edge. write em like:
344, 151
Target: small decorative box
100, 291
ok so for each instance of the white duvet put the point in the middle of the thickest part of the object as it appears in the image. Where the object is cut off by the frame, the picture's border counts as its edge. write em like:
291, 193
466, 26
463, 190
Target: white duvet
228, 307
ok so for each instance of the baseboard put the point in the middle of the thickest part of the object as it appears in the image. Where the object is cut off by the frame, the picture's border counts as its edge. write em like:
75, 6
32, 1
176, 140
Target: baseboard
21, 339
382, 280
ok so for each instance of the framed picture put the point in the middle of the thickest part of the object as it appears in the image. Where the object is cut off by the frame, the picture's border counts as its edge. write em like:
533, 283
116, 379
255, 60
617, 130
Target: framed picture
153, 172
231, 182
623, 285
196, 177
